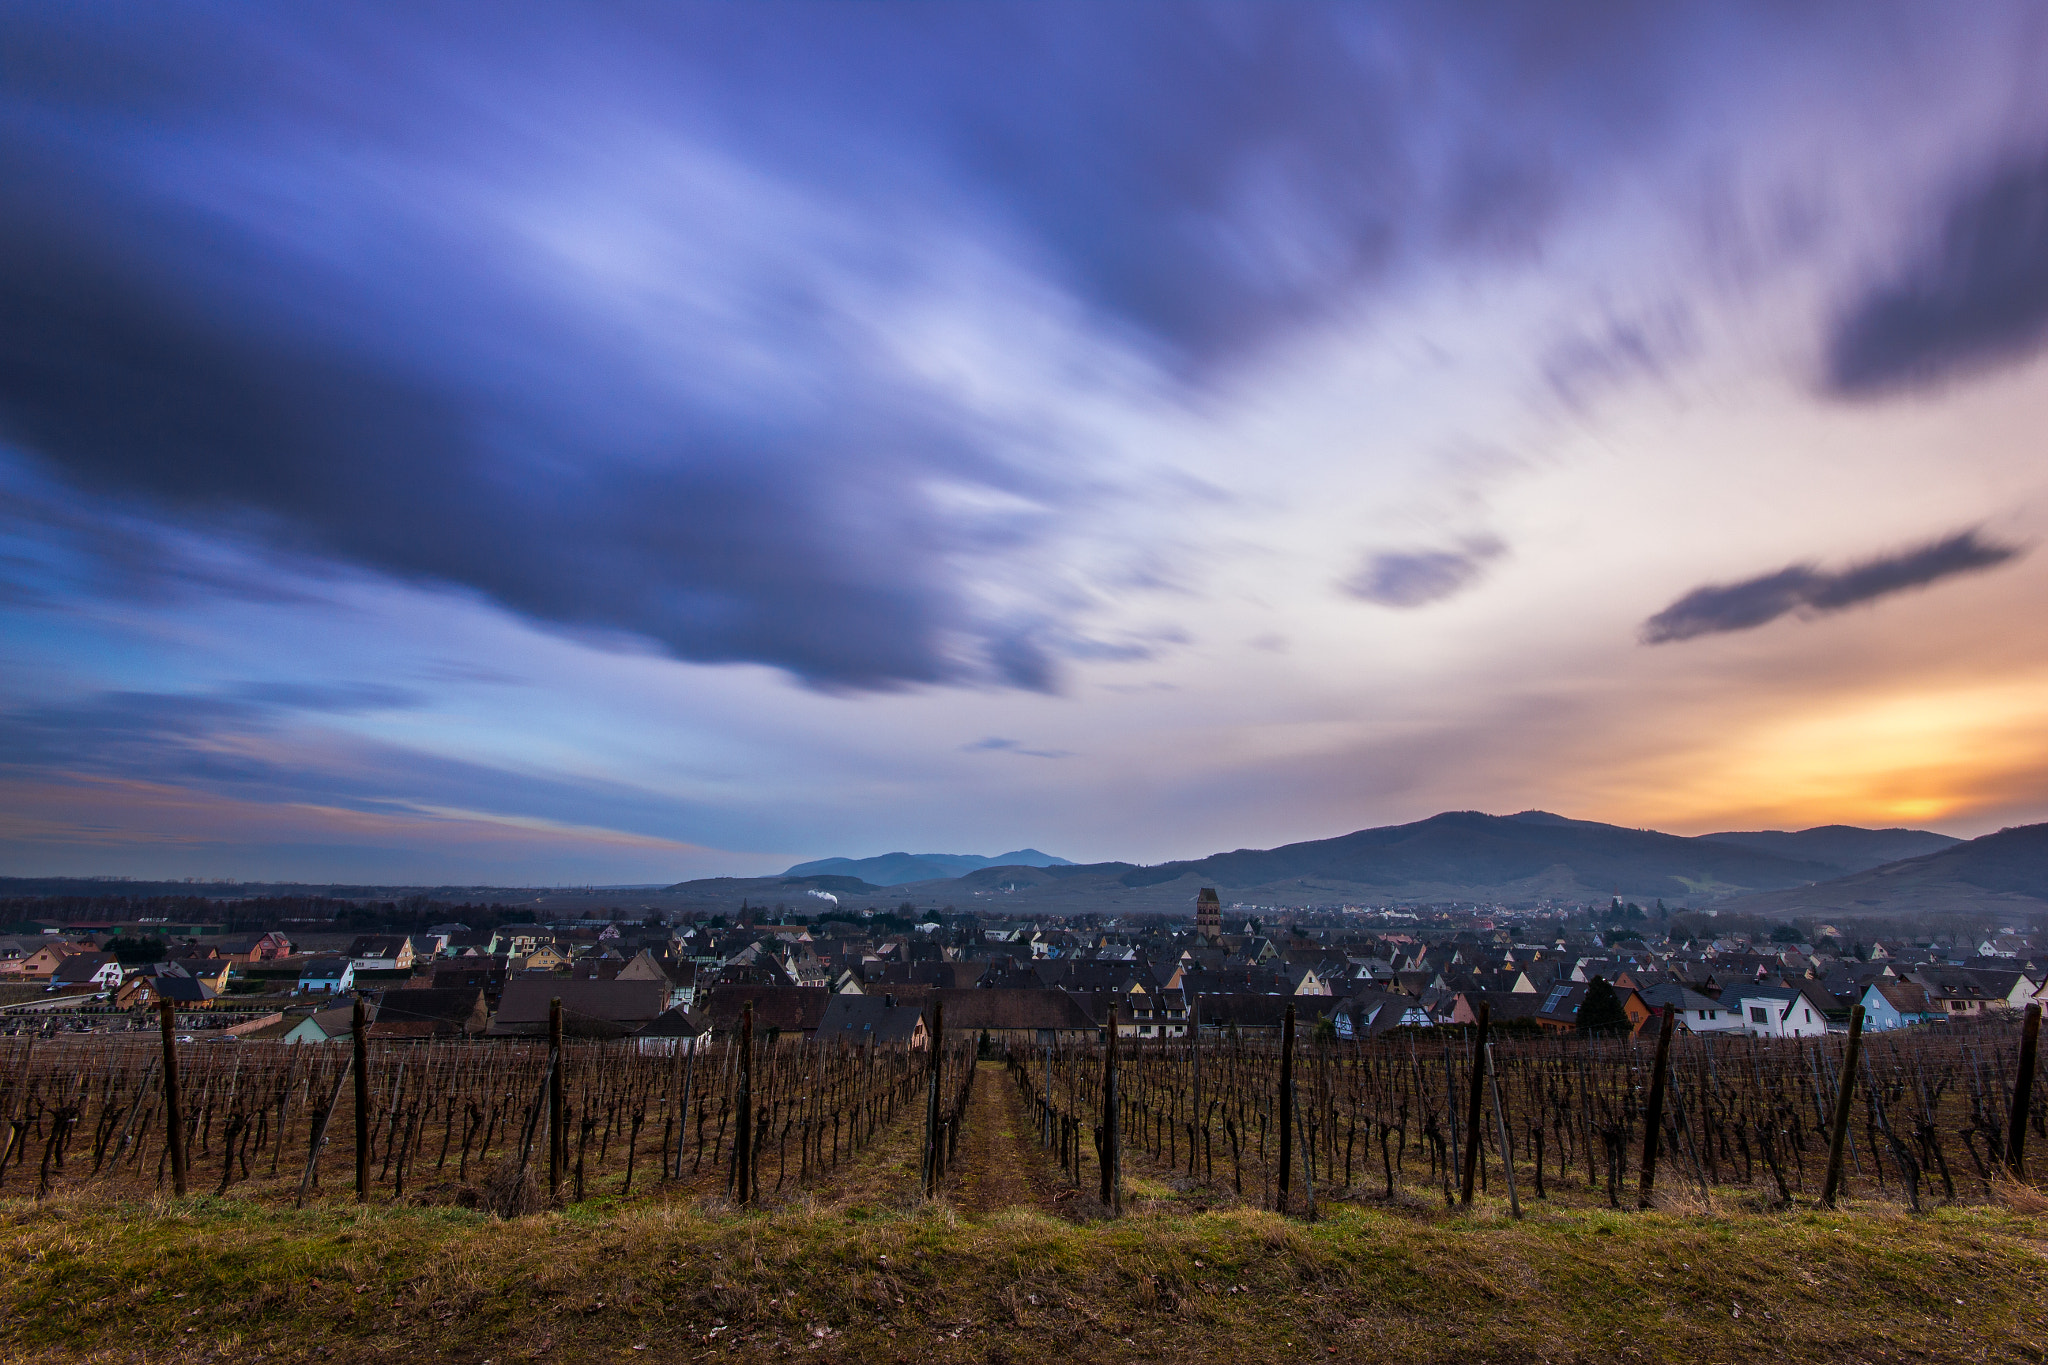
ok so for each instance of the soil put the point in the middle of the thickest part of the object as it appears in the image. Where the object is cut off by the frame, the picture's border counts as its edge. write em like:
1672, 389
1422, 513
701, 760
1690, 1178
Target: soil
999, 1164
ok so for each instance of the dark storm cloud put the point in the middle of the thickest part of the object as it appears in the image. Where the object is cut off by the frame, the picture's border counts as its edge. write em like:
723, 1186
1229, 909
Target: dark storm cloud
297, 279
1416, 578
221, 411
1975, 297
1812, 591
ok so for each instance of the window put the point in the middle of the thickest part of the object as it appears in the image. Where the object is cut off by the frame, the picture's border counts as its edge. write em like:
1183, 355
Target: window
1759, 1015
1809, 1016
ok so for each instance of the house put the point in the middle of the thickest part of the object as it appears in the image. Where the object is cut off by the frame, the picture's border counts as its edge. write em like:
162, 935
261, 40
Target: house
777, 1009
1502, 1006
545, 958
1958, 994
1775, 1011
1696, 1013
144, 990
86, 971
381, 952
327, 1026
429, 1013
1895, 1004
267, 947
670, 1032
1368, 1012
507, 944
214, 971
1253, 1014
42, 964
1023, 1016
590, 1009
861, 1019
679, 979
1559, 1011
486, 974
327, 974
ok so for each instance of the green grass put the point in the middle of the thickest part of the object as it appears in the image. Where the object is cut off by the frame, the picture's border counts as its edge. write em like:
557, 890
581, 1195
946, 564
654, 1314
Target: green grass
205, 1280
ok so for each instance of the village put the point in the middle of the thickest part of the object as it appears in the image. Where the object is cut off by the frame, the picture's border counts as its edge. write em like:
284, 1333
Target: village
667, 985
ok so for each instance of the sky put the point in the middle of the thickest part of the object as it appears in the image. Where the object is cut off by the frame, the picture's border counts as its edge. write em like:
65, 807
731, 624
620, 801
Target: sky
625, 443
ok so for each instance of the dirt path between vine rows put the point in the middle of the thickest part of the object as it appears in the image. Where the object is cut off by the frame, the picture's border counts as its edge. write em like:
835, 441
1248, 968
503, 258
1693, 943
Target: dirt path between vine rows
1000, 1164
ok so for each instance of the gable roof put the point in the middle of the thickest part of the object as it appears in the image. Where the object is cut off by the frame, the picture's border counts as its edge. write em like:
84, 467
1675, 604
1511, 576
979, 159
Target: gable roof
972, 1010
181, 989
429, 1013
787, 1009
1904, 996
605, 1009
1671, 993
675, 1023
80, 967
861, 1018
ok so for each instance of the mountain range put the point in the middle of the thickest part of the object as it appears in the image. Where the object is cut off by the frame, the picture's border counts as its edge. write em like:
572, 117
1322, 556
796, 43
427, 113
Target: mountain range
898, 869
2003, 874
1458, 856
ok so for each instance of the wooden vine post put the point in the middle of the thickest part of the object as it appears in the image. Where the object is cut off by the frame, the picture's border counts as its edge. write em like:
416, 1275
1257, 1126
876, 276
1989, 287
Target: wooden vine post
2023, 1094
1198, 1128
174, 1112
1500, 1126
1286, 1108
1472, 1110
1653, 1118
317, 1140
558, 1137
933, 1153
359, 1040
743, 1133
1838, 1139
1112, 1127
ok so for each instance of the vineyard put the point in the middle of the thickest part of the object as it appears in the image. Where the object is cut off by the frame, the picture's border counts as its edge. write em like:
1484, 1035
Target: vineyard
1932, 1116
507, 1127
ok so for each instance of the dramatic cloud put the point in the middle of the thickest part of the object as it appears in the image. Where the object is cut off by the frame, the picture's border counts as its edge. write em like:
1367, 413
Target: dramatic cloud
928, 356
1416, 578
627, 323
1809, 590
1977, 297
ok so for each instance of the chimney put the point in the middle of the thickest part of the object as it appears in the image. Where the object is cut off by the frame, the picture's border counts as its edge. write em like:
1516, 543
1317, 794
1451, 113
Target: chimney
889, 1002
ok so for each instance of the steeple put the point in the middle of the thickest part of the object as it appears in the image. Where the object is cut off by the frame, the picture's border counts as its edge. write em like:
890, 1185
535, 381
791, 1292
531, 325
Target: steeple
1209, 915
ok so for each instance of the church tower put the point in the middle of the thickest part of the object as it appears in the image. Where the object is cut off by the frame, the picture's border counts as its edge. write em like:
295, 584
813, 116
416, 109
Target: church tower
1208, 915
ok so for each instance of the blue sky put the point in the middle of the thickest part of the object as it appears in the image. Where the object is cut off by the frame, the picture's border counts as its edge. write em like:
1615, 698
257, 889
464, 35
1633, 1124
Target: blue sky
628, 443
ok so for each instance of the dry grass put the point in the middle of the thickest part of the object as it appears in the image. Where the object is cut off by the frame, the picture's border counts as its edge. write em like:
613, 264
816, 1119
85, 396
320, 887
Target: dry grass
198, 1280
2011, 1194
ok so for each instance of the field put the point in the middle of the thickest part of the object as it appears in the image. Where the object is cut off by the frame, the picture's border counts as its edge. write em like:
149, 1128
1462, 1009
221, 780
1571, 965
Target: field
1015, 1256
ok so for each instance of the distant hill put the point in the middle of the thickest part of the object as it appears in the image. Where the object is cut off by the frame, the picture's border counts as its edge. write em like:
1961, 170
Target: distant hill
898, 869
1460, 855
2000, 874
1843, 846
1472, 855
